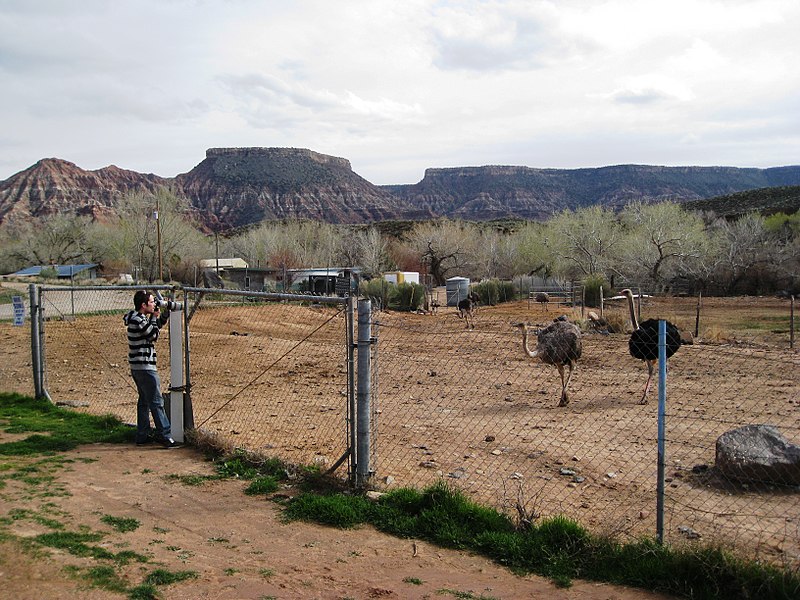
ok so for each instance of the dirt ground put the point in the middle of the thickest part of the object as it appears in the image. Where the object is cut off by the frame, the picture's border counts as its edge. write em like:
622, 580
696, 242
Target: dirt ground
230, 539
237, 544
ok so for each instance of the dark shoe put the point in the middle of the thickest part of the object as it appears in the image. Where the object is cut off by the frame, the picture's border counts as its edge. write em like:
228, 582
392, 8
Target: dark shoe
170, 443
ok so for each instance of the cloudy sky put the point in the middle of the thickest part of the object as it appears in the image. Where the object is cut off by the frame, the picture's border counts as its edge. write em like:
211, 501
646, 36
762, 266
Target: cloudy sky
399, 86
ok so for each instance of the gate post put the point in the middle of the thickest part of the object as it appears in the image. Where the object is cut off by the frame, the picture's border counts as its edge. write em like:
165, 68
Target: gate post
36, 349
364, 393
176, 415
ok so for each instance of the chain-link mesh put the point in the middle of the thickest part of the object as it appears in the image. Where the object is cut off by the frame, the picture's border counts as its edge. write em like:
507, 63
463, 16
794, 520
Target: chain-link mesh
268, 376
470, 406
271, 376
86, 350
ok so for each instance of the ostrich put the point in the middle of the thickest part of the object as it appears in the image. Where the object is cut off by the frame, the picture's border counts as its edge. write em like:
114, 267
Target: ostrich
466, 309
558, 344
643, 343
542, 298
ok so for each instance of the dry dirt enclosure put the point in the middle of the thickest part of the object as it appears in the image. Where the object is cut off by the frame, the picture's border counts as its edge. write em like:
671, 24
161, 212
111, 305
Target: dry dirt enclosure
469, 407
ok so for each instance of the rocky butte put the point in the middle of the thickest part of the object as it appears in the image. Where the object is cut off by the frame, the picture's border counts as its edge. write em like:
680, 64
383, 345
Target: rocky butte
234, 187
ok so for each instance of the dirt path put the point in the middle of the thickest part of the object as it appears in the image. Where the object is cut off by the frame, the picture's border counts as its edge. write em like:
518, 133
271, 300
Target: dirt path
238, 544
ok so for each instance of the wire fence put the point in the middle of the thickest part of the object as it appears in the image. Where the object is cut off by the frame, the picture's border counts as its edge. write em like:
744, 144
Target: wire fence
471, 407
271, 376
468, 405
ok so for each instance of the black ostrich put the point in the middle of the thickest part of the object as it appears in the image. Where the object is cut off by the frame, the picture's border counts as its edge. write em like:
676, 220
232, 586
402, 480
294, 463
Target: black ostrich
643, 343
558, 344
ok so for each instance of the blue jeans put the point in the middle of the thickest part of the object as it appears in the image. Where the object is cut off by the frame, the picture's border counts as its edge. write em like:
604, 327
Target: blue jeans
150, 402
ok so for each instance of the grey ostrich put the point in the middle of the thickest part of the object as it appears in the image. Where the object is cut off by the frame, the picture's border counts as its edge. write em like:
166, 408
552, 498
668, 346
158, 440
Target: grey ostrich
558, 344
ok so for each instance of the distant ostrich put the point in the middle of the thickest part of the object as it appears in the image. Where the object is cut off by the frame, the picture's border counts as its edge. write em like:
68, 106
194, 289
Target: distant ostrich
643, 343
466, 309
542, 298
558, 344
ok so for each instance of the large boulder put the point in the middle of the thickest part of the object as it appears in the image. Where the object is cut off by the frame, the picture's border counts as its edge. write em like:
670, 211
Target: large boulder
758, 453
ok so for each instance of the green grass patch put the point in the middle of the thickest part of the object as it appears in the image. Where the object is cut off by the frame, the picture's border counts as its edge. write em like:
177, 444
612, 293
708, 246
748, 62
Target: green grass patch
18, 514
240, 465
121, 524
165, 577
262, 485
107, 578
54, 429
557, 548
75, 543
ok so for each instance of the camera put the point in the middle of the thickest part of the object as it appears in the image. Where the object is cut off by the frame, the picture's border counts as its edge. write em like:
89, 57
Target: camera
168, 305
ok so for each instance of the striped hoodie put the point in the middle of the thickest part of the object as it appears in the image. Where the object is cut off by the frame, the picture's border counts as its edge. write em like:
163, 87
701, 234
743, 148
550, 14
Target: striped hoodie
142, 335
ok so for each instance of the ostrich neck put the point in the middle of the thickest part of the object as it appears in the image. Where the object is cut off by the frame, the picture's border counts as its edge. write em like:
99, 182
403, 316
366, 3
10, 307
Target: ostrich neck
634, 320
525, 345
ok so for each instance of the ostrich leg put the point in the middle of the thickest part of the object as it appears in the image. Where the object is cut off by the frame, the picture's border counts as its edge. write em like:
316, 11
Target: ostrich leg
650, 370
564, 396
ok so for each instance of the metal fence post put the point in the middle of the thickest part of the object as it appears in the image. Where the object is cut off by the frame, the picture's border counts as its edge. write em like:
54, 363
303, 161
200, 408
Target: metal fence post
351, 389
176, 383
188, 410
36, 355
364, 393
662, 404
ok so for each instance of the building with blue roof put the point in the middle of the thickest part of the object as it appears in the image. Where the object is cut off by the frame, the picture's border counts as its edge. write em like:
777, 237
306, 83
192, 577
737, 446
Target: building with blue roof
85, 271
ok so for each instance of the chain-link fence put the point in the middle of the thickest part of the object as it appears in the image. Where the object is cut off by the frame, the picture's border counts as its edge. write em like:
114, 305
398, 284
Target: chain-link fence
469, 406
272, 375
266, 374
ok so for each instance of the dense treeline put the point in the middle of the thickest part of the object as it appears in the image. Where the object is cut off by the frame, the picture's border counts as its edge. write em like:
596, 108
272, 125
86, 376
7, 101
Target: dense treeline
661, 247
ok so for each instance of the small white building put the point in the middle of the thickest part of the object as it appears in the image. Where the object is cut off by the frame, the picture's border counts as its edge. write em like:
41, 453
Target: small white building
396, 277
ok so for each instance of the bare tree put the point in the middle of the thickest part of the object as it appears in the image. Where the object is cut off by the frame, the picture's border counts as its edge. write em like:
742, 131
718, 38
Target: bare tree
583, 242
444, 247
658, 239
55, 239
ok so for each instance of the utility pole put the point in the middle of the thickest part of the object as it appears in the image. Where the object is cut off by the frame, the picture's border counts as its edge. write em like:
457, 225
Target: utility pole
216, 243
158, 237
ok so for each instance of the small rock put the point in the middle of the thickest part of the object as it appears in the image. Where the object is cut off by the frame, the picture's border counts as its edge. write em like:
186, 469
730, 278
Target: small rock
373, 495
565, 471
389, 480
428, 464
72, 403
579, 479
497, 452
516, 475
489, 438
689, 532
611, 475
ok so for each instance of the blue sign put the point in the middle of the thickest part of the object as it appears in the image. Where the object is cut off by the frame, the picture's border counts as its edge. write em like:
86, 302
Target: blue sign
19, 310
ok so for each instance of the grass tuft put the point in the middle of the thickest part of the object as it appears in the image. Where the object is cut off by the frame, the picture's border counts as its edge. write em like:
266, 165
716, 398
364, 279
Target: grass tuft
165, 577
262, 485
121, 524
